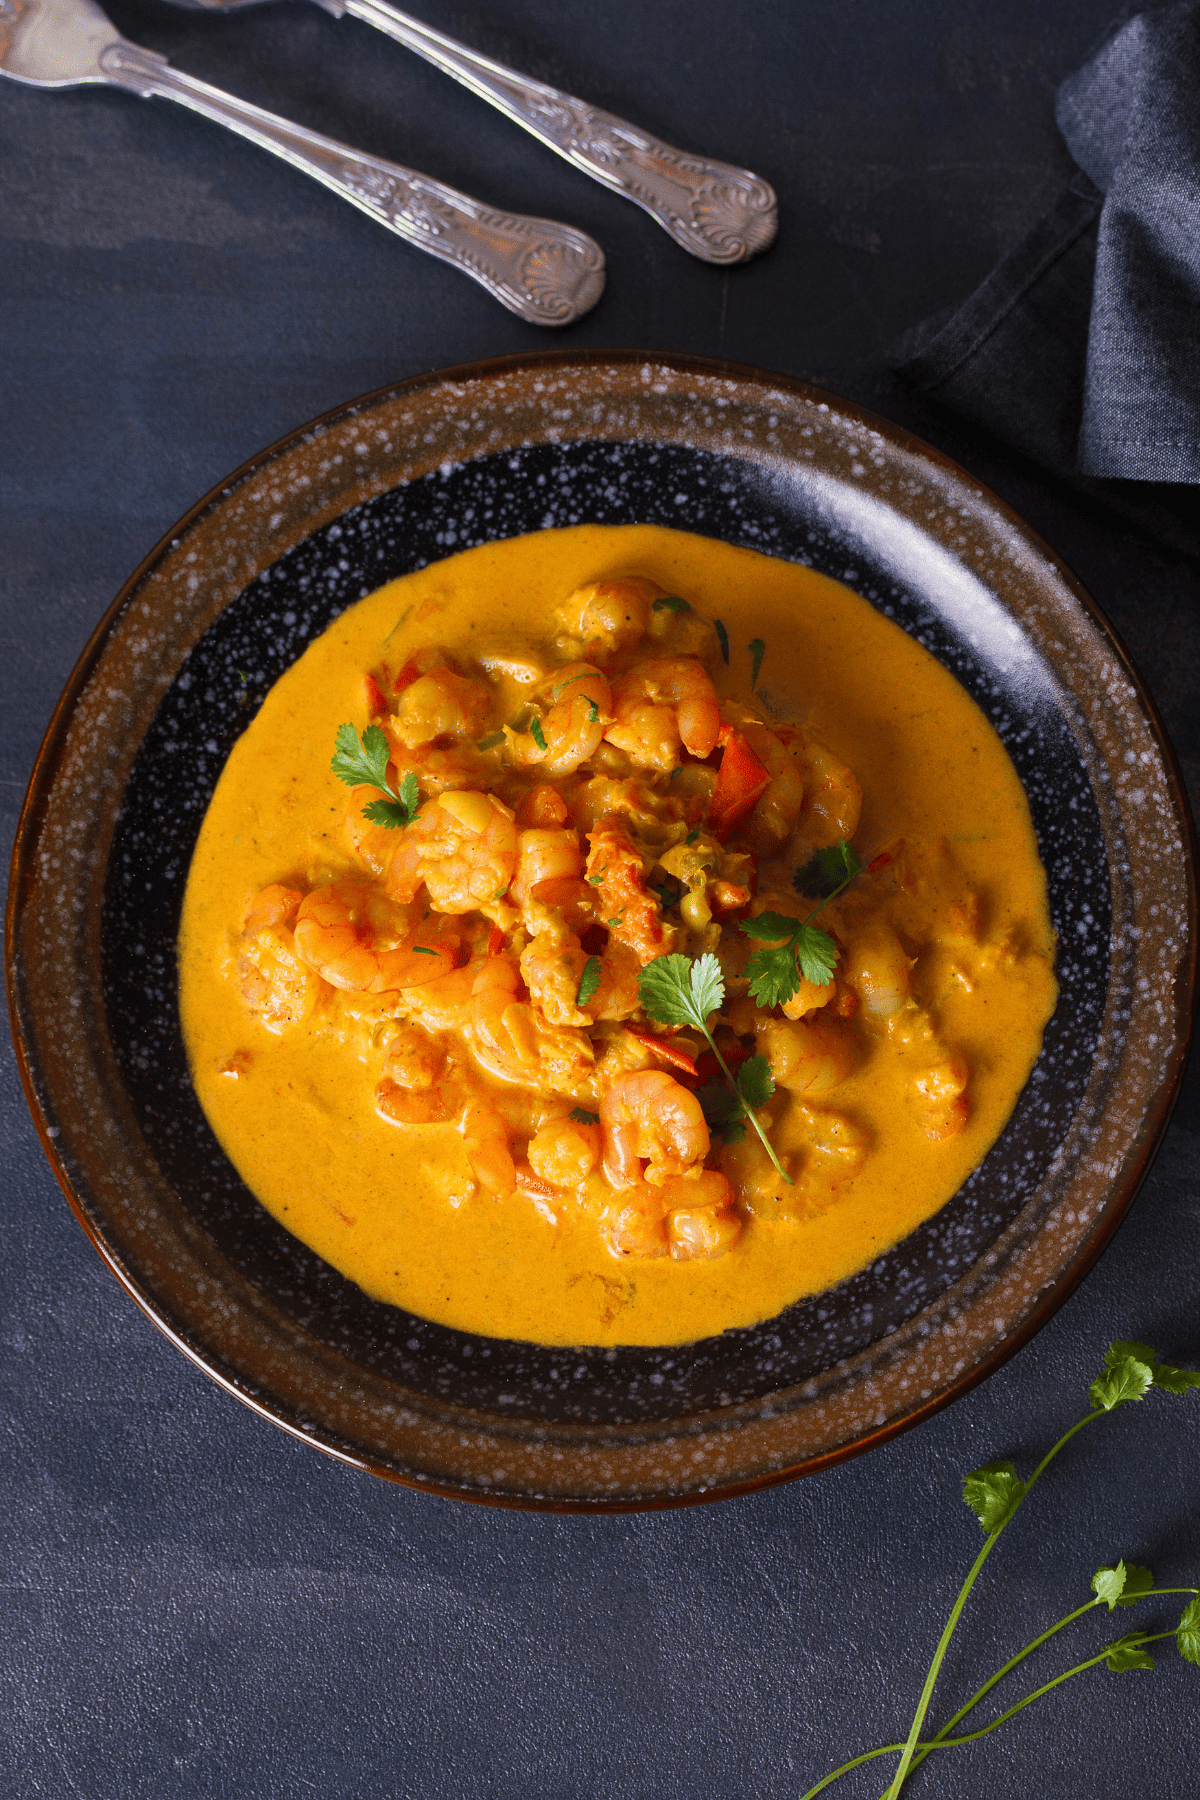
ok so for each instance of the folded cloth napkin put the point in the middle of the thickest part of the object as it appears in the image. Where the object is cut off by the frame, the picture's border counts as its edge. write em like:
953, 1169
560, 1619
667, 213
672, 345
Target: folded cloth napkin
1082, 348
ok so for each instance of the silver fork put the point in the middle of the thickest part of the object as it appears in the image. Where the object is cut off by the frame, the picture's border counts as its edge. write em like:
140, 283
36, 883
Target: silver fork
546, 272
718, 212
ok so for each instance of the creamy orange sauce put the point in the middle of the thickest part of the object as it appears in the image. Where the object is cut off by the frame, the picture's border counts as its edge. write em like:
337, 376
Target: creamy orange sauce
394, 1207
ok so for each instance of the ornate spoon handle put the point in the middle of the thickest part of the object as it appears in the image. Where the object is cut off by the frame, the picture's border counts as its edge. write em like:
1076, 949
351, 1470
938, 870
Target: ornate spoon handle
718, 212
546, 272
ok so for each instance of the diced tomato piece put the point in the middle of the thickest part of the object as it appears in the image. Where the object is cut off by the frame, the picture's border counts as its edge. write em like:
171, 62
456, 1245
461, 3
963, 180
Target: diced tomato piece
406, 677
377, 706
495, 941
741, 782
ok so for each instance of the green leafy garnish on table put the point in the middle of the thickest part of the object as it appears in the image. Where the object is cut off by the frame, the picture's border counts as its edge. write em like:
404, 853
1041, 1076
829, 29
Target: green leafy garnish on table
364, 764
677, 990
995, 1493
799, 949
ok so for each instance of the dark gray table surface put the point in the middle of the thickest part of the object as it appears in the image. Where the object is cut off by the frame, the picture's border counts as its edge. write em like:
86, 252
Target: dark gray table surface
194, 1604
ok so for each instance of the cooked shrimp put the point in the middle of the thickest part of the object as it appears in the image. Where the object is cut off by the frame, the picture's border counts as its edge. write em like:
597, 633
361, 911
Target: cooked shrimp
565, 1152
649, 1115
942, 1092
275, 983
485, 1135
637, 1225
546, 855
573, 729
877, 968
832, 795
606, 616
552, 966
515, 1042
701, 1221
806, 1057
463, 846
658, 703
630, 911
541, 808
776, 813
441, 704
355, 939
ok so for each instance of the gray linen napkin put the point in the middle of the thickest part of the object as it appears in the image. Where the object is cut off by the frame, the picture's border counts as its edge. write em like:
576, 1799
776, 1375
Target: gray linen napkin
1082, 348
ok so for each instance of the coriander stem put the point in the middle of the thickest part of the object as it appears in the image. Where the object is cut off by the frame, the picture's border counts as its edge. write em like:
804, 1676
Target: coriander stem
970, 1737
961, 1600
750, 1114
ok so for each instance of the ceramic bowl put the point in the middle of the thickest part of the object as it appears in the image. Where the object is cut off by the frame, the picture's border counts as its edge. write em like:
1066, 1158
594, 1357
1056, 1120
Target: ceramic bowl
175, 672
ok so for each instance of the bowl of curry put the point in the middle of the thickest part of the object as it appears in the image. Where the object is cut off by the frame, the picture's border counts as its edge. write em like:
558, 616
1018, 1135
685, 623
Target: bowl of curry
629, 932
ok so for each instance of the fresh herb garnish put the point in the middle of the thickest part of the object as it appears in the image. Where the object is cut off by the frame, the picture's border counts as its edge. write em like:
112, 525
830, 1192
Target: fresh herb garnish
365, 765
537, 734
490, 742
670, 603
727, 1112
589, 980
800, 950
722, 639
593, 712
692, 835
995, 1493
757, 651
582, 1116
674, 990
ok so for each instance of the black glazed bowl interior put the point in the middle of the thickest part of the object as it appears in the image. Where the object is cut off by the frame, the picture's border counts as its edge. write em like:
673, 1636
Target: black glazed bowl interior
177, 670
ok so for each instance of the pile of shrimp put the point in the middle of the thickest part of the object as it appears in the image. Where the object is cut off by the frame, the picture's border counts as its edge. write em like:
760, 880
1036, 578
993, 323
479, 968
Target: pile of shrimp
574, 826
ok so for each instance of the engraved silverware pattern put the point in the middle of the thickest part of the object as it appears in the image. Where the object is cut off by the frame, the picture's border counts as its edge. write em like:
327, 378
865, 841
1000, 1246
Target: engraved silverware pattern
548, 273
715, 210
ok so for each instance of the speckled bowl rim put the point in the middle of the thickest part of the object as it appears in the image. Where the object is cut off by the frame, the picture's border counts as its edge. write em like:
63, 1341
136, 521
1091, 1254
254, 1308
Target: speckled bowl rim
861, 1403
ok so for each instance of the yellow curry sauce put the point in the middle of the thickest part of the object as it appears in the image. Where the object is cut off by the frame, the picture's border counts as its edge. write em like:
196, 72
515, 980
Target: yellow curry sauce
453, 1168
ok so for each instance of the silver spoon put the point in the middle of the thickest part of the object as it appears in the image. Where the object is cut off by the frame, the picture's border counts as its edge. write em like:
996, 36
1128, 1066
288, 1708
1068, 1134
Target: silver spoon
718, 212
546, 272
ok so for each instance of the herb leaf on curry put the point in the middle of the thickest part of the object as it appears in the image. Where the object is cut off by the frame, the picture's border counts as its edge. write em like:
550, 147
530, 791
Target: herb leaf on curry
364, 764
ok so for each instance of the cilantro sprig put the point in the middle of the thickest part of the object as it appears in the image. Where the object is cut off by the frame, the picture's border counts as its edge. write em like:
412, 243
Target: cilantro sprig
364, 764
994, 1494
677, 990
799, 949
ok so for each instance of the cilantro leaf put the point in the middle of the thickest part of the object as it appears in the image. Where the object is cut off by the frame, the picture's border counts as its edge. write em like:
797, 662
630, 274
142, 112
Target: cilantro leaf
537, 734
589, 981
1125, 1377
1109, 1584
770, 927
1187, 1636
1138, 1581
757, 650
664, 989
719, 1104
755, 1083
1165, 1375
593, 712
828, 870
365, 765
707, 985
1127, 1653
360, 765
817, 955
993, 1493
670, 603
772, 975
722, 639
582, 1116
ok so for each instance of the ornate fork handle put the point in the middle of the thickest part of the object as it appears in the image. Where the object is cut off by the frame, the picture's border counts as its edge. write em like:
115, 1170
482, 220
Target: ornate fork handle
546, 272
718, 212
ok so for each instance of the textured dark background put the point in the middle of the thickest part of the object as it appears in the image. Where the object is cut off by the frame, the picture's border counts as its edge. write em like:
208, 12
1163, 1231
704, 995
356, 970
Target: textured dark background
195, 1605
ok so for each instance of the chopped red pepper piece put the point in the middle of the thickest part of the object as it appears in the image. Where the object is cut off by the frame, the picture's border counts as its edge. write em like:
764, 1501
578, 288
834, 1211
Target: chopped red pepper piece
377, 706
674, 1054
741, 782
